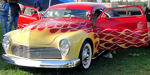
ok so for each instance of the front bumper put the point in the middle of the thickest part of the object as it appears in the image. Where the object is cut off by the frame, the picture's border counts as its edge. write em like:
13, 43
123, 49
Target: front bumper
40, 64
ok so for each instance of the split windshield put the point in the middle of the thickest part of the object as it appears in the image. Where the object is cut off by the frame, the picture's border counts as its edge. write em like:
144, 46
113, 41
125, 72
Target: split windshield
71, 13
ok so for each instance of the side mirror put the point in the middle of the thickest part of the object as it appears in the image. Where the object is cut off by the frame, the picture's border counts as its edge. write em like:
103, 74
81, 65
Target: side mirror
88, 15
104, 16
41, 15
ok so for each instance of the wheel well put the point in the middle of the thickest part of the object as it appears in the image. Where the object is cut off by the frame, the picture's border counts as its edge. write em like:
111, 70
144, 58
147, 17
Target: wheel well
91, 43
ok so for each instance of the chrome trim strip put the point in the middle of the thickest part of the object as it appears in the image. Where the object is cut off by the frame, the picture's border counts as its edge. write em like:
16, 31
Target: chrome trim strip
42, 63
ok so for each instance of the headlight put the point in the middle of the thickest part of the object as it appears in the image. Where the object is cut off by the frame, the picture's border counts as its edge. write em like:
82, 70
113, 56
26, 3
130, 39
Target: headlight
6, 42
64, 46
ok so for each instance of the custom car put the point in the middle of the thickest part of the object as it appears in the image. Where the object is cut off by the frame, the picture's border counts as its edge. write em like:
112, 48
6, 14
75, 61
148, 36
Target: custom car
72, 34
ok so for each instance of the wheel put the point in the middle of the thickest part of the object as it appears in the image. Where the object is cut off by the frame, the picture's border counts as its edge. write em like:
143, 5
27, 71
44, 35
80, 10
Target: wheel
85, 55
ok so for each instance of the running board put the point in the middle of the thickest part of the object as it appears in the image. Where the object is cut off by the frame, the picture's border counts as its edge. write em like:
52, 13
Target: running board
99, 54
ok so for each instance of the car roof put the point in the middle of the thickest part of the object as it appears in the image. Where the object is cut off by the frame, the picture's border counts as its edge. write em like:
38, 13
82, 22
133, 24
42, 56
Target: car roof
78, 5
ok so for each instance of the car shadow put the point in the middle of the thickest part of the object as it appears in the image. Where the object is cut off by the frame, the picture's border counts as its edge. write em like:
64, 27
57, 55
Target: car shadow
51, 71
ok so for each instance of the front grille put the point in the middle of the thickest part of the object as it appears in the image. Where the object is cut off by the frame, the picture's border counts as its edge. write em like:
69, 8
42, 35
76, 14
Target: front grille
36, 52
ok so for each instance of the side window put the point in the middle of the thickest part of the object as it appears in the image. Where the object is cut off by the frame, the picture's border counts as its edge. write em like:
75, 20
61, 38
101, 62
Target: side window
123, 12
134, 11
29, 12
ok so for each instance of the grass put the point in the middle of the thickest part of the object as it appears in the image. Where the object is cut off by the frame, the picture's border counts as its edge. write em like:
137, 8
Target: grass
133, 61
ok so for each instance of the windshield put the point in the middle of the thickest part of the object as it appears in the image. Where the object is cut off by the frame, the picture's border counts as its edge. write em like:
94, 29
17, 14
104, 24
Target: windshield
75, 13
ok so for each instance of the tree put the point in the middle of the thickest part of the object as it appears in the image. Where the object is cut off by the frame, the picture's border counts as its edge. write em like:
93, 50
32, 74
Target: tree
105, 0
92, 0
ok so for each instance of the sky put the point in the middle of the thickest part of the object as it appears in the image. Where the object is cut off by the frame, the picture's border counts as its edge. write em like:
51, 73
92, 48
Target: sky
123, 0
129, 0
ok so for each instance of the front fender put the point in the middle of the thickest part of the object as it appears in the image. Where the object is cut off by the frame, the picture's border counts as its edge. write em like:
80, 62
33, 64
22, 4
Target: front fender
76, 38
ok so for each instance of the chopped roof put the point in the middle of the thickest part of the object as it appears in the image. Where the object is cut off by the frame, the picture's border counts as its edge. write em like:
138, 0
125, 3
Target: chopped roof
78, 5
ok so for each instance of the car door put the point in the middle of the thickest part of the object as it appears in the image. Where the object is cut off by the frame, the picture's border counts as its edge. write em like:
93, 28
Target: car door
27, 16
122, 27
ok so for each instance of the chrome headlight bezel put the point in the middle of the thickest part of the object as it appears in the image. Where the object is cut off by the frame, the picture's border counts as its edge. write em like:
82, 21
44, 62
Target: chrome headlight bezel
6, 42
64, 46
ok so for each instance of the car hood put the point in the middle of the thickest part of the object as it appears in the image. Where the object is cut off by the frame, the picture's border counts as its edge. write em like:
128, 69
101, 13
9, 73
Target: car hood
47, 30
61, 23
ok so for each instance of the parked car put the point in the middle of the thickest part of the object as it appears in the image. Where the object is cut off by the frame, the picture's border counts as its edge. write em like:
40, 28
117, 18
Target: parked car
71, 34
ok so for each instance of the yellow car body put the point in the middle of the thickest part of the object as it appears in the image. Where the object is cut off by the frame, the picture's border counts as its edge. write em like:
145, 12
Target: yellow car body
32, 39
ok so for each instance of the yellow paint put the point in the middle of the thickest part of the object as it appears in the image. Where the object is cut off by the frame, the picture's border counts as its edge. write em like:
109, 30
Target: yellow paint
36, 38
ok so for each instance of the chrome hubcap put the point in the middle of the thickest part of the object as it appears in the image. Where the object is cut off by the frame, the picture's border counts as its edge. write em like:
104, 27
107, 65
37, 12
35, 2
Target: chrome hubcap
86, 56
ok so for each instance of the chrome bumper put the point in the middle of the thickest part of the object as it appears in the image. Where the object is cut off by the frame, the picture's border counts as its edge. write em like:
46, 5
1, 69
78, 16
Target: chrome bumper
41, 64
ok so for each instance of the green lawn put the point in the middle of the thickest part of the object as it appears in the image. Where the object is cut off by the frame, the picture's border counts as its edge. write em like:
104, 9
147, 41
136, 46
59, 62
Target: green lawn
133, 61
